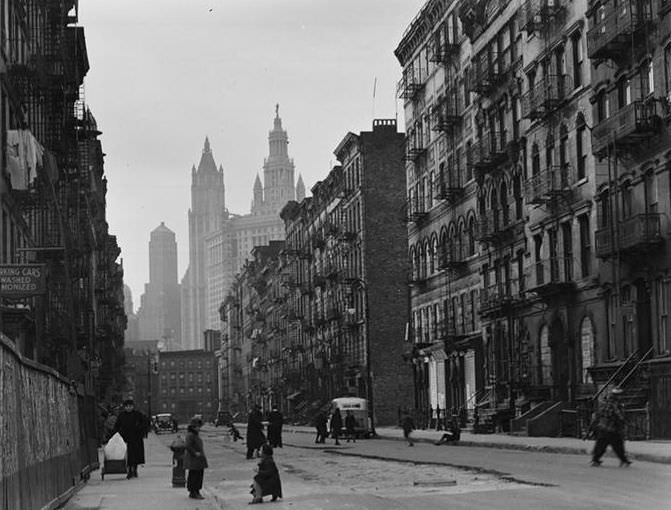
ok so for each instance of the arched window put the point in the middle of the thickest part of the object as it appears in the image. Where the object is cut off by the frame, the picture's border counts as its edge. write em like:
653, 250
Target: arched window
505, 216
519, 201
471, 237
452, 243
586, 348
461, 243
494, 208
422, 262
545, 356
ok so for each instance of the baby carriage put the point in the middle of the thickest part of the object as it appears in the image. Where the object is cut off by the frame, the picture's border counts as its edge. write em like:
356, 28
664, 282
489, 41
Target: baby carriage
114, 457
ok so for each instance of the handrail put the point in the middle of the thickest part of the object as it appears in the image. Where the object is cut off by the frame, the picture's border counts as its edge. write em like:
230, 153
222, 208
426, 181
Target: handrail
612, 377
638, 364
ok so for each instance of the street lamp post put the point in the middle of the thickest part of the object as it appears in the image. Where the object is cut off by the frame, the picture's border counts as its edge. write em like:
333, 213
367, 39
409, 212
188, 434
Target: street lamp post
369, 370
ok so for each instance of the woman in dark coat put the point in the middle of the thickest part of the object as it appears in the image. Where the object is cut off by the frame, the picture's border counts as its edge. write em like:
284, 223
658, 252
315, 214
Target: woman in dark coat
267, 479
336, 425
194, 459
275, 422
133, 427
255, 437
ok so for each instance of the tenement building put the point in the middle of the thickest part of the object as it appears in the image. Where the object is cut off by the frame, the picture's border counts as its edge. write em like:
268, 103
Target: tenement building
327, 318
535, 169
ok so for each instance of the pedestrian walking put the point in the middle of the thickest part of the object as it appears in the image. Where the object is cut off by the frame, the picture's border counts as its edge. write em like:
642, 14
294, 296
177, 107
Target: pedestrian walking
255, 436
321, 422
336, 425
275, 423
408, 425
194, 458
350, 426
133, 427
608, 426
267, 479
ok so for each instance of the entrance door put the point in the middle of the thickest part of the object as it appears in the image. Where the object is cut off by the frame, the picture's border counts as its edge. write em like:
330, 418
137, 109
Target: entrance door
643, 317
660, 407
560, 361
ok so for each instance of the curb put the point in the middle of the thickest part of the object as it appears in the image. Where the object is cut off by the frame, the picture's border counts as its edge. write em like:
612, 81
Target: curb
567, 450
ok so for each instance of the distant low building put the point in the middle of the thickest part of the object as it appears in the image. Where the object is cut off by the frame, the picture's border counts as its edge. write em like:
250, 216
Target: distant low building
187, 384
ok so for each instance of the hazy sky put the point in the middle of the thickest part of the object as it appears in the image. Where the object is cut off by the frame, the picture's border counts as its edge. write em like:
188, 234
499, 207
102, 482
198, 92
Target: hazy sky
166, 73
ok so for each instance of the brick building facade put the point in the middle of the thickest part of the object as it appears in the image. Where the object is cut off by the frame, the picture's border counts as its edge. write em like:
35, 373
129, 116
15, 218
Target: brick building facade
523, 228
327, 316
187, 384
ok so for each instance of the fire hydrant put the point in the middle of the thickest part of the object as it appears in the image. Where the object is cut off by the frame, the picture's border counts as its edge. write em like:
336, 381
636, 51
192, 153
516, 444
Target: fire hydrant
178, 472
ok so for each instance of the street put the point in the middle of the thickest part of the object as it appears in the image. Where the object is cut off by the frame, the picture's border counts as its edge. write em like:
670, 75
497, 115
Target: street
384, 473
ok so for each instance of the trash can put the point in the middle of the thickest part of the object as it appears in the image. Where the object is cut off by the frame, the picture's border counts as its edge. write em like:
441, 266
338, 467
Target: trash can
178, 473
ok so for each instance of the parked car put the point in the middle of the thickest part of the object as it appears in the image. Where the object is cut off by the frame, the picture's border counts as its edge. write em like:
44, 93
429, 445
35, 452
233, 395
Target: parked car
165, 423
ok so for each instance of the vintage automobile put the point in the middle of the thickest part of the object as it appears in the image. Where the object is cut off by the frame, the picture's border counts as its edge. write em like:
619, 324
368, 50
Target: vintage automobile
359, 408
165, 423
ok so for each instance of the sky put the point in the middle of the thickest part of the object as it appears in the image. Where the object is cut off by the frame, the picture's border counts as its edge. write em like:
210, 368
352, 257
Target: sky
167, 73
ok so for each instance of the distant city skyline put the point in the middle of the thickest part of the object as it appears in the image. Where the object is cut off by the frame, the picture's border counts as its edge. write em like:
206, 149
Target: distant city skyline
217, 69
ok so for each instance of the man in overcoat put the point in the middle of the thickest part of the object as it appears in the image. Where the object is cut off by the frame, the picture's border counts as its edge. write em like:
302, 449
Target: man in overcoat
608, 425
255, 436
194, 458
133, 427
275, 423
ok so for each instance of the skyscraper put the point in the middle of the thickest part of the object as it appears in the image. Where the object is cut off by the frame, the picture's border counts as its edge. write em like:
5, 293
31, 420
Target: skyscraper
228, 247
159, 313
208, 209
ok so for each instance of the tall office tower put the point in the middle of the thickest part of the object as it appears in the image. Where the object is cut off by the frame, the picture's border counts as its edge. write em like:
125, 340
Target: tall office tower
159, 313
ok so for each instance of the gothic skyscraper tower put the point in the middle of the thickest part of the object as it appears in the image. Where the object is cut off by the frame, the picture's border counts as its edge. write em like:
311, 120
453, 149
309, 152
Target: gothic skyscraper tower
205, 216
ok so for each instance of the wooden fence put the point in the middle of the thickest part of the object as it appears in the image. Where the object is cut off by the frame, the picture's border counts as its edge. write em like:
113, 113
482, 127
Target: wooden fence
47, 433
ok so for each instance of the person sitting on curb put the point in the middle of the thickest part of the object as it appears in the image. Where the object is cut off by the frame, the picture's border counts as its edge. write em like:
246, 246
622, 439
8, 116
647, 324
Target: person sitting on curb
267, 479
453, 433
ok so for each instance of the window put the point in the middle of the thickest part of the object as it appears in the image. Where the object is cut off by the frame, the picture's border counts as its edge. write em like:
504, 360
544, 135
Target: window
577, 58
612, 326
535, 160
602, 106
647, 79
627, 198
650, 192
517, 194
662, 288
623, 92
567, 244
585, 245
667, 69
580, 147
549, 151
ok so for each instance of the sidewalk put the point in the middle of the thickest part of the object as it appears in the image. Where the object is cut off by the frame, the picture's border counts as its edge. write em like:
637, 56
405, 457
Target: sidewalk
151, 490
650, 451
